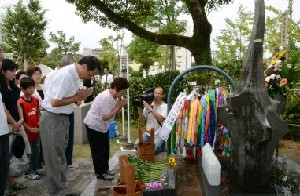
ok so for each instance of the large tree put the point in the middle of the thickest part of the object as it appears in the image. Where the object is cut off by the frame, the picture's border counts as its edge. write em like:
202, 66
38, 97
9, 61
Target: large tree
136, 15
23, 28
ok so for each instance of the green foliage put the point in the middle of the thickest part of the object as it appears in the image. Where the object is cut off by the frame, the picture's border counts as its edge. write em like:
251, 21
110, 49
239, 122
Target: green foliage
293, 133
156, 21
64, 45
291, 110
143, 51
23, 28
109, 54
165, 79
232, 43
293, 62
136, 74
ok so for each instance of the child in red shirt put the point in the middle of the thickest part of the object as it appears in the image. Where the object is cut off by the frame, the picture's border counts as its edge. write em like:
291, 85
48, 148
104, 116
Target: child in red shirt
31, 112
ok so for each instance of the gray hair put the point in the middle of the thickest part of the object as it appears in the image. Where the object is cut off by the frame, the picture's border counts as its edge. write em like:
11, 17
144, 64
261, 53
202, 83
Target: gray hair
67, 59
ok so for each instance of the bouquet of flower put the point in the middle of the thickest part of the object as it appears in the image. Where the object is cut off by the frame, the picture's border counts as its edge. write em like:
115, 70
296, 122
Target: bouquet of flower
274, 82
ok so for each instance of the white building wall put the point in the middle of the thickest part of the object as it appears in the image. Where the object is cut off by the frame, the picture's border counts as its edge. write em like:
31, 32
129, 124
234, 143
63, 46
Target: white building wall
87, 52
183, 59
184, 56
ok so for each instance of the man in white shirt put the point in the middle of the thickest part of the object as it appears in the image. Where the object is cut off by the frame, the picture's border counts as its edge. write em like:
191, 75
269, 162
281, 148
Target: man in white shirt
154, 115
61, 92
4, 147
107, 78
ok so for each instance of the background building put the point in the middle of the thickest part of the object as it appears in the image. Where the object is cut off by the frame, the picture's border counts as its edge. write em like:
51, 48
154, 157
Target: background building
91, 52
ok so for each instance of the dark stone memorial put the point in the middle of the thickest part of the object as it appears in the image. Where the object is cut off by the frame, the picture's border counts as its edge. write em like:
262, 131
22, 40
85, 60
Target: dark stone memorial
252, 117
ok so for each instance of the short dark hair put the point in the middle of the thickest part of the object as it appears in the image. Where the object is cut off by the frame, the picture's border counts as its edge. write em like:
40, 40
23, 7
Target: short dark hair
119, 83
91, 62
30, 70
19, 73
8, 65
159, 86
26, 82
106, 67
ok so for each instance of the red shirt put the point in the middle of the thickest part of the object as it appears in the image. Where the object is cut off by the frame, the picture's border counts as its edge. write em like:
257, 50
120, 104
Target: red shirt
31, 114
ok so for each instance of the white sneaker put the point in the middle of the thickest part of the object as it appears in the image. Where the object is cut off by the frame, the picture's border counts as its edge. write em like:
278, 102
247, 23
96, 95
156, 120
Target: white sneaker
72, 166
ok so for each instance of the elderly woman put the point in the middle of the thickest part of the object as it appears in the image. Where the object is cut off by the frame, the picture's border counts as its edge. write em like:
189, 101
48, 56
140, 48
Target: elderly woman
103, 109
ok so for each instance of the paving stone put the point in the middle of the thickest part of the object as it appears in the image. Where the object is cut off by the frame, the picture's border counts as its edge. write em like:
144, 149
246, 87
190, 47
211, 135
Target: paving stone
82, 181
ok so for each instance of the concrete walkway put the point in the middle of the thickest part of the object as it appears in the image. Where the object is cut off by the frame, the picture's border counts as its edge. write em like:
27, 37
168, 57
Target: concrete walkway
82, 181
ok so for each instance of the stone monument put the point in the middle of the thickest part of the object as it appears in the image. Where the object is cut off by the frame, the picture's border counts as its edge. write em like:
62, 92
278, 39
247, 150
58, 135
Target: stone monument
252, 117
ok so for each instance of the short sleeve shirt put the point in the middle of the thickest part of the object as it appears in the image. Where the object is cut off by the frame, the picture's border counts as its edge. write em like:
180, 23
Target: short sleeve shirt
102, 104
61, 84
151, 120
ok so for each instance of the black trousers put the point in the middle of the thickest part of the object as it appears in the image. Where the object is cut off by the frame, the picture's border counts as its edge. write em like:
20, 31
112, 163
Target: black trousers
4, 161
99, 144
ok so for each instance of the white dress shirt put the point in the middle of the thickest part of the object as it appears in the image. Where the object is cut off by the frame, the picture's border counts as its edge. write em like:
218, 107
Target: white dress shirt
107, 78
102, 104
60, 84
3, 119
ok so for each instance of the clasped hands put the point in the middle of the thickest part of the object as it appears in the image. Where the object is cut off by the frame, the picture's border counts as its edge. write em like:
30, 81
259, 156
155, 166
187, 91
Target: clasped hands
82, 94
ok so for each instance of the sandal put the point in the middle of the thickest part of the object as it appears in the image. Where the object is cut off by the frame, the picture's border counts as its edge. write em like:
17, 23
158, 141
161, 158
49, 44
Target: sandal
18, 186
105, 177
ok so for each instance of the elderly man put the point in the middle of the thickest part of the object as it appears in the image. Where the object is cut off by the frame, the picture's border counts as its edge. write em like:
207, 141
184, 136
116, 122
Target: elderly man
68, 59
61, 92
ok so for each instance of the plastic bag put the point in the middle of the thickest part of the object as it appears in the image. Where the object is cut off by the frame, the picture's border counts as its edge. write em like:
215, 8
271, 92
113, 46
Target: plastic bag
18, 166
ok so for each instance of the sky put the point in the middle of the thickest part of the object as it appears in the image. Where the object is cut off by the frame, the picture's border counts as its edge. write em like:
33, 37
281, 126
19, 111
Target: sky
61, 17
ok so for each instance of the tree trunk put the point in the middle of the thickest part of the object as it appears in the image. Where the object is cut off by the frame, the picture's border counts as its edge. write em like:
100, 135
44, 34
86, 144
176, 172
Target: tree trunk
25, 62
172, 58
200, 49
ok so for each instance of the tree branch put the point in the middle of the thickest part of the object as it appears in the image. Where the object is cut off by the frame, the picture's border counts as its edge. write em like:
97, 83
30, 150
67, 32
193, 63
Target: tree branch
163, 39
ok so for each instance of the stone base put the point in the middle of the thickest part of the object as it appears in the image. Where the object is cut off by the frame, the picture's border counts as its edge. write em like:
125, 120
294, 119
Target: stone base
80, 136
208, 189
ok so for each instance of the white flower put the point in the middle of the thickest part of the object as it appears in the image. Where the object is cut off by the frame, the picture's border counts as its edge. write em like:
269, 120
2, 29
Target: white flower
267, 79
273, 76
278, 76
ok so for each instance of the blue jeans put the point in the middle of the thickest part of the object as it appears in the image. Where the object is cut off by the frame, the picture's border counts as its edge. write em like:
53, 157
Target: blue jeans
69, 149
4, 161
